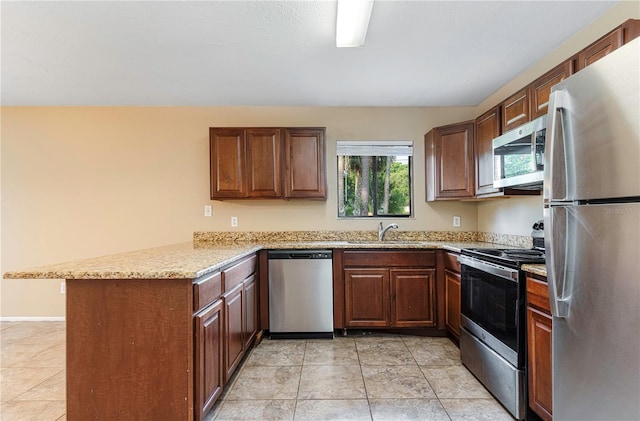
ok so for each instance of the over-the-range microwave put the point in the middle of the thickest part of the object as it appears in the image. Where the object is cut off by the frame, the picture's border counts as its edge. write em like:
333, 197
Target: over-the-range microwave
518, 156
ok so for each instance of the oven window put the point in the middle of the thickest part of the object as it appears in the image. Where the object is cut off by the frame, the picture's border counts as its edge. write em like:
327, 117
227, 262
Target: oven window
491, 302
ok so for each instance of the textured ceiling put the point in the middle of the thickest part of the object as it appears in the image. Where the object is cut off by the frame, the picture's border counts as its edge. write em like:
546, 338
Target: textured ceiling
417, 53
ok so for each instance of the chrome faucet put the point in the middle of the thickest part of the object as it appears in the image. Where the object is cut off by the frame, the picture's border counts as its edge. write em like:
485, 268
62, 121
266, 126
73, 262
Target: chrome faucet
383, 231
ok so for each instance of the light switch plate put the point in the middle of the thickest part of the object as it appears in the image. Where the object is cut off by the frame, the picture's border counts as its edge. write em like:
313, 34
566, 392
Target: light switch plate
208, 210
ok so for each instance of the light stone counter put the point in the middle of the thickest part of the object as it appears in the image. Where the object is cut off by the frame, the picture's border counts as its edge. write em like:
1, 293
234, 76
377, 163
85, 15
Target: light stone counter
536, 269
177, 261
207, 254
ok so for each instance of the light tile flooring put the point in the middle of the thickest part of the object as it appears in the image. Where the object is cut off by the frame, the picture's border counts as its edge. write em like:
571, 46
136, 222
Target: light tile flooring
379, 377
32, 371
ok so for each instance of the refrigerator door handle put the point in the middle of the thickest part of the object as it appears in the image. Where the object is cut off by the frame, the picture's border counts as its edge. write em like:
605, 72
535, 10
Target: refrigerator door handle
557, 258
555, 170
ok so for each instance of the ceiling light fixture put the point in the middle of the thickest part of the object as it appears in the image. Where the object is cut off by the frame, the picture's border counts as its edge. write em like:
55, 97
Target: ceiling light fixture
352, 22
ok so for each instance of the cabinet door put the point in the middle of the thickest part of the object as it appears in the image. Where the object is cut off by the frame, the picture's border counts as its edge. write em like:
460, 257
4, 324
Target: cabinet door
539, 359
630, 30
304, 159
452, 299
540, 89
263, 163
451, 167
412, 297
233, 332
515, 110
367, 297
227, 161
605, 45
487, 128
208, 358
251, 310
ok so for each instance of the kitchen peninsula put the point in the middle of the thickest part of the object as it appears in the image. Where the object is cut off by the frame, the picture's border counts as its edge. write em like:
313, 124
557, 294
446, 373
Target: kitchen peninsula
156, 333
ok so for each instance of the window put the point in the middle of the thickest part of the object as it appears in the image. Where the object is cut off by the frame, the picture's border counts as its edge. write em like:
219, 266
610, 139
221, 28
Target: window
374, 178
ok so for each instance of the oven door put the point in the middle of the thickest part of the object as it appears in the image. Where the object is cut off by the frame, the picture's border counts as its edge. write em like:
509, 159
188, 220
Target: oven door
492, 306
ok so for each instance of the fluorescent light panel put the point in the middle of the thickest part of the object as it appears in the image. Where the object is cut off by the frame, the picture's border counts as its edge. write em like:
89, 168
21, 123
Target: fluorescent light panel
352, 22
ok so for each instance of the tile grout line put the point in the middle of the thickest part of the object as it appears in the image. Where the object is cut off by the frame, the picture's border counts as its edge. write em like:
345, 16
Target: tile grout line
364, 383
295, 406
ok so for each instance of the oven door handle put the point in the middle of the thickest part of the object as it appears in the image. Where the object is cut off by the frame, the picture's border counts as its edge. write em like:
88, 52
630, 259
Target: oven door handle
500, 271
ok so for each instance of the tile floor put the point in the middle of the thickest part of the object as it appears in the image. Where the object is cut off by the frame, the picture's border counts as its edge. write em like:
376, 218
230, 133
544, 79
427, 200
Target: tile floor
372, 377
379, 377
32, 371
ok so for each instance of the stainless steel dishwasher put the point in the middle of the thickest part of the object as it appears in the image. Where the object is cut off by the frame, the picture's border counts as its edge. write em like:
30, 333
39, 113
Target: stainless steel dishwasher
300, 294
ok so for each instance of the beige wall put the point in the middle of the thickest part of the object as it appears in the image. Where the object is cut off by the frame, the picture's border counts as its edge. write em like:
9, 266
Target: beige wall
510, 216
88, 181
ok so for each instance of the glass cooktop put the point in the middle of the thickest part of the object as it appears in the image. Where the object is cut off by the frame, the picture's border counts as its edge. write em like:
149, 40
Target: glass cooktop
507, 256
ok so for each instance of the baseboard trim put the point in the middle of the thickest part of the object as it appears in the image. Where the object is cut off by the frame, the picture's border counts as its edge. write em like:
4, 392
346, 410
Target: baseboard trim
32, 319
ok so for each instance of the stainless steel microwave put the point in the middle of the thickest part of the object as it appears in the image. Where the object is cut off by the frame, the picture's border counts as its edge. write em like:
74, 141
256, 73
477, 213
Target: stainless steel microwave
518, 156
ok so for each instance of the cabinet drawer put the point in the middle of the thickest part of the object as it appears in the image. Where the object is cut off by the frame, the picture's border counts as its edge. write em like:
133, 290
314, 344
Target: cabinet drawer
451, 262
538, 294
237, 273
385, 258
206, 290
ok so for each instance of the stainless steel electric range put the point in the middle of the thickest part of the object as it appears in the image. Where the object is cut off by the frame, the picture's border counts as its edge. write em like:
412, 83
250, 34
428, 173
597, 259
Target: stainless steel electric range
493, 325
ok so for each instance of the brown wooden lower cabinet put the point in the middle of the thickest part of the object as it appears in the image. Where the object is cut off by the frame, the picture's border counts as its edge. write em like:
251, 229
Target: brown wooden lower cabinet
233, 332
130, 349
539, 348
449, 267
367, 297
413, 297
250, 310
156, 349
240, 313
390, 289
452, 292
208, 361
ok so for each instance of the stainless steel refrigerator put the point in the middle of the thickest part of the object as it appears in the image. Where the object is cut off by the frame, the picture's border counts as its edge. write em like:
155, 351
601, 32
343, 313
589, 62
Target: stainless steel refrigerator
592, 239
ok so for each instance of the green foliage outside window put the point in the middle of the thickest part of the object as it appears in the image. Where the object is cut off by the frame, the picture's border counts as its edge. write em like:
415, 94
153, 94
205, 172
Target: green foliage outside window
374, 186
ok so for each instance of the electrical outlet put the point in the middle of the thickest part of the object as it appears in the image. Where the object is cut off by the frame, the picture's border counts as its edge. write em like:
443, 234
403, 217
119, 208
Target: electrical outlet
456, 221
234, 221
63, 287
208, 210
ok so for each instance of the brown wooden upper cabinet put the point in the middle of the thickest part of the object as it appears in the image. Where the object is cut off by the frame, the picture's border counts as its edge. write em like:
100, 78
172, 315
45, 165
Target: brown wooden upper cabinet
449, 162
626, 32
515, 110
246, 163
304, 169
227, 155
487, 128
600, 48
540, 89
263, 163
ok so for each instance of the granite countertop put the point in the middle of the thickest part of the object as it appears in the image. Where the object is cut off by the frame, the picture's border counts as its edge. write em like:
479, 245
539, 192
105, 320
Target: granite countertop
536, 269
197, 258
177, 261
